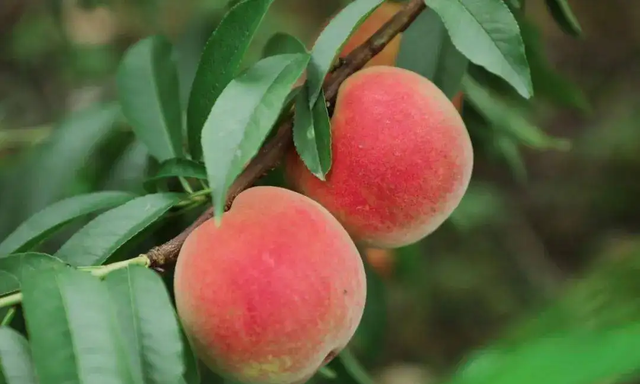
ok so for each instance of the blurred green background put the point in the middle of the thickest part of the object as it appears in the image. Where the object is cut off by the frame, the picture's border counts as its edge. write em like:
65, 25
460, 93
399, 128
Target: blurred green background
536, 225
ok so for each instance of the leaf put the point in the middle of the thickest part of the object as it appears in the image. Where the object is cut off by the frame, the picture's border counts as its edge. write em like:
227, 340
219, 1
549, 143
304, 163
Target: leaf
508, 118
243, 116
178, 168
511, 154
7, 314
353, 368
312, 134
498, 145
327, 373
150, 96
331, 41
602, 356
426, 48
101, 237
220, 63
45, 222
57, 162
148, 325
16, 364
129, 170
514, 4
563, 15
72, 329
486, 33
593, 324
13, 268
368, 339
483, 204
605, 297
548, 83
192, 369
282, 43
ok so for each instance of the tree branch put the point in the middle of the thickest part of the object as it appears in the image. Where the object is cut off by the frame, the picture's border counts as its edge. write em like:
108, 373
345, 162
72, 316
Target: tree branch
272, 152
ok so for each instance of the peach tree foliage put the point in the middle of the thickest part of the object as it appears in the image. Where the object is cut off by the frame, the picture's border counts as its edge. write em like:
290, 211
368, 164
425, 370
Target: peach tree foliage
93, 312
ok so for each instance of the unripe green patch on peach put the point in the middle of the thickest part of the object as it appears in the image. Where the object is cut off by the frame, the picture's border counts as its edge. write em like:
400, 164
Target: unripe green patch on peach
266, 296
402, 158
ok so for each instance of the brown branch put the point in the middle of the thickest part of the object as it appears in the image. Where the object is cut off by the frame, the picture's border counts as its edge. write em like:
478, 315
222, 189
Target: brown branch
272, 152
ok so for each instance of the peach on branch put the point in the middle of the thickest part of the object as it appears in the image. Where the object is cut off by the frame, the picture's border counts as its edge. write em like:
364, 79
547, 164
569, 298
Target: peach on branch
273, 292
402, 158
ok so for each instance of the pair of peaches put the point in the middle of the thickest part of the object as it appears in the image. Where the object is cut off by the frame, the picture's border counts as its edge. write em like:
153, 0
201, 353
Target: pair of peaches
278, 288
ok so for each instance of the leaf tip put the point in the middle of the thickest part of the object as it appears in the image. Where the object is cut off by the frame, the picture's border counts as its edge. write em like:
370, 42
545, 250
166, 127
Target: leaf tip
320, 175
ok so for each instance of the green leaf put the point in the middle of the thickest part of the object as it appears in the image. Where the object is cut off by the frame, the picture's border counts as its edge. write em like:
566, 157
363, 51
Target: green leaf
57, 162
282, 43
563, 15
498, 145
514, 4
243, 116
571, 358
14, 267
368, 340
593, 324
327, 373
7, 314
605, 297
16, 364
72, 329
177, 168
312, 134
482, 204
353, 368
426, 48
192, 369
45, 222
148, 325
129, 170
331, 41
487, 34
548, 83
511, 154
220, 63
150, 98
101, 237
509, 119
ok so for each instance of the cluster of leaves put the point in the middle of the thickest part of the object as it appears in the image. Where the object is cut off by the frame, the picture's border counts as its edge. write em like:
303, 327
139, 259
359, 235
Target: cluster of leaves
478, 43
92, 323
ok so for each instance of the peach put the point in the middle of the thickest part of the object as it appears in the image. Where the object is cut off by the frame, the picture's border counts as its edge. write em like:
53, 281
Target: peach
273, 292
381, 260
402, 158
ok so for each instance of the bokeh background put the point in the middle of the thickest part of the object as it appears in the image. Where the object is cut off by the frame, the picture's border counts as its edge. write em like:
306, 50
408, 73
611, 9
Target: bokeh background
537, 226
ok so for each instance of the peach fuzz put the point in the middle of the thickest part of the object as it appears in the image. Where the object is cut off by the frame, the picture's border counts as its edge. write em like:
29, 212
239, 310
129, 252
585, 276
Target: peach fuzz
272, 293
402, 158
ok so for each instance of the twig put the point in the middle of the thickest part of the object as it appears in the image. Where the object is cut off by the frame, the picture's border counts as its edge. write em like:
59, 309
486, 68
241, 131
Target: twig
273, 151
98, 271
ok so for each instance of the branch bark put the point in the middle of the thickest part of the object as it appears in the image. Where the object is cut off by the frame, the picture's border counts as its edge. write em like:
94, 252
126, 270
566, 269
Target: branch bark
272, 152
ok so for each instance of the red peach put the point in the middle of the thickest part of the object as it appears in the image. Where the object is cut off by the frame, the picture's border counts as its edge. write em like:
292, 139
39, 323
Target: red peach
381, 260
273, 292
402, 158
